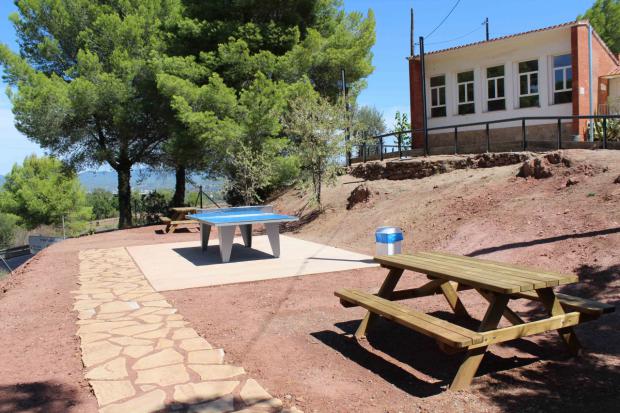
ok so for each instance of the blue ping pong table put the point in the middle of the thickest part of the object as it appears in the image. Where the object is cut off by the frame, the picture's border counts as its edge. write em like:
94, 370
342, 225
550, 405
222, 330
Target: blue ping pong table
227, 219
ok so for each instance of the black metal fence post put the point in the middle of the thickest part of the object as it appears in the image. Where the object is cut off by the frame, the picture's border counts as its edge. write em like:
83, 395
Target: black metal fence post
456, 140
605, 133
559, 133
381, 147
400, 147
488, 132
524, 134
364, 151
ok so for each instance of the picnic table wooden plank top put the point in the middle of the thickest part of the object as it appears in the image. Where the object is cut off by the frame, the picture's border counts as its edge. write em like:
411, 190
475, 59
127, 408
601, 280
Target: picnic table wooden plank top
184, 209
489, 275
533, 273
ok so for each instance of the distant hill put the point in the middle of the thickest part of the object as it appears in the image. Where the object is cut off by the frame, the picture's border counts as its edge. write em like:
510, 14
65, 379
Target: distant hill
140, 182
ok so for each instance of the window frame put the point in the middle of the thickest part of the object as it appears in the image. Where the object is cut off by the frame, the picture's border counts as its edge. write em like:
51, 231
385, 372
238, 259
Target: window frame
465, 84
529, 83
564, 69
495, 80
437, 89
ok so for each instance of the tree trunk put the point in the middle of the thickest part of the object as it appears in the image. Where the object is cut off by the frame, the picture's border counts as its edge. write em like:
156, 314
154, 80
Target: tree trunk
124, 197
178, 199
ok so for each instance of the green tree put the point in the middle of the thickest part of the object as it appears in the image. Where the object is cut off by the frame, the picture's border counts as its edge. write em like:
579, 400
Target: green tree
604, 16
84, 83
8, 224
43, 191
367, 122
317, 129
248, 47
401, 125
103, 203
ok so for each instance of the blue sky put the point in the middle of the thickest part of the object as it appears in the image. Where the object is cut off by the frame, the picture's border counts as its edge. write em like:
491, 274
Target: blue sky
388, 85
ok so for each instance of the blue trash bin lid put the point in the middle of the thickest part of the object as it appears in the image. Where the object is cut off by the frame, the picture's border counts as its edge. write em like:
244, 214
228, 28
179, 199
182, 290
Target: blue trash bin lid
388, 235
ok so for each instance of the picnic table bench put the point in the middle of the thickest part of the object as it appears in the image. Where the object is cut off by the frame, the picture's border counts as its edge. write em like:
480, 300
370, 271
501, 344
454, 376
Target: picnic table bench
496, 282
179, 217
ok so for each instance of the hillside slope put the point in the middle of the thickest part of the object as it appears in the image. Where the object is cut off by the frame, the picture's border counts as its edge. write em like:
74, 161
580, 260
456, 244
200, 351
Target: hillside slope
487, 213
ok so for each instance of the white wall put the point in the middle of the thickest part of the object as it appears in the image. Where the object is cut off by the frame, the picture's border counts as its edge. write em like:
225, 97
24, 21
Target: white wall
509, 52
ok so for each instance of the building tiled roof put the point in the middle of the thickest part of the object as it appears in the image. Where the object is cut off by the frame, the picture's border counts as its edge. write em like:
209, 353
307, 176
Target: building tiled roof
557, 26
613, 74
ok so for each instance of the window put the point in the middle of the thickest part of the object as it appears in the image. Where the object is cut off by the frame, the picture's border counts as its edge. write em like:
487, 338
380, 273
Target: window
496, 99
528, 84
562, 79
465, 83
438, 96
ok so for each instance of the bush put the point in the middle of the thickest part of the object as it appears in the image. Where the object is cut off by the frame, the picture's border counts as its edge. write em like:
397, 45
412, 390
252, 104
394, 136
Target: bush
150, 206
104, 203
613, 130
8, 226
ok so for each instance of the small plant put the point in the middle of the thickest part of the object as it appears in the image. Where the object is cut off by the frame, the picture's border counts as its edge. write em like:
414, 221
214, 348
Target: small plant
613, 130
591, 194
401, 124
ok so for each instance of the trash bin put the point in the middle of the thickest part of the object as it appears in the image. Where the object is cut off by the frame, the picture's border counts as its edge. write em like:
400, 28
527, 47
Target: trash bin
388, 240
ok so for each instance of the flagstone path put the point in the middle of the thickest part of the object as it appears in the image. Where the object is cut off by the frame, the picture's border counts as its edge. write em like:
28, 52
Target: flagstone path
140, 355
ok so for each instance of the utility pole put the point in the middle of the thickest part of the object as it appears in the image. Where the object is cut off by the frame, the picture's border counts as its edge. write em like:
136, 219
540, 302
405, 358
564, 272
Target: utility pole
486, 23
423, 78
411, 42
347, 136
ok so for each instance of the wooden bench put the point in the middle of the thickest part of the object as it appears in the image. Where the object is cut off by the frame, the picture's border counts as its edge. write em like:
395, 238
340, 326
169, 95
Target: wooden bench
172, 225
451, 334
572, 303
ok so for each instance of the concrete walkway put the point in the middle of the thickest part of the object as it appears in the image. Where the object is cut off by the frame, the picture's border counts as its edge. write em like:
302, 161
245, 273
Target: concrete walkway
140, 356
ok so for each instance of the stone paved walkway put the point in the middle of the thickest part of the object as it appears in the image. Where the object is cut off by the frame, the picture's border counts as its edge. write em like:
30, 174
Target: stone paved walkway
140, 355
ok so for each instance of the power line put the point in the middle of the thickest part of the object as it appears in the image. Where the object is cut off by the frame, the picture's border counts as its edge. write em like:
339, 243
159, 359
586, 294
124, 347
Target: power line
459, 37
444, 19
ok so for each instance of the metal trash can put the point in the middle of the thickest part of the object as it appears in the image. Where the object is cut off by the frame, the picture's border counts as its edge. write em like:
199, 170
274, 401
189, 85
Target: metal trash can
389, 240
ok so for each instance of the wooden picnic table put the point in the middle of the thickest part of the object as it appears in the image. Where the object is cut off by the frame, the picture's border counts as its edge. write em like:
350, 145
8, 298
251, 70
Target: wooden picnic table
181, 213
497, 282
179, 217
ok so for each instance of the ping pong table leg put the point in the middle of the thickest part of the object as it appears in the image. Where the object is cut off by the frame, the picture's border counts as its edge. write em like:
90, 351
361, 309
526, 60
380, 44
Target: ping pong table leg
205, 231
273, 232
246, 234
225, 236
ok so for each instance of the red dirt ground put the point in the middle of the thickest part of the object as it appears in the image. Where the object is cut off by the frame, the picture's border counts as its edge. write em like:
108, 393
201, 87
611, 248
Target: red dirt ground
41, 368
292, 335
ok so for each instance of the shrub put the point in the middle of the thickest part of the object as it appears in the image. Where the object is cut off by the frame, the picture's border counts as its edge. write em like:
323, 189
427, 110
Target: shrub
104, 203
8, 226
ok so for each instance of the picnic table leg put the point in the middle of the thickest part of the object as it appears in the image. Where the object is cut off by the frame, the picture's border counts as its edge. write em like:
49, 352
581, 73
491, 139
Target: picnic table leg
508, 313
246, 234
273, 232
473, 357
386, 290
554, 307
225, 236
205, 231
449, 291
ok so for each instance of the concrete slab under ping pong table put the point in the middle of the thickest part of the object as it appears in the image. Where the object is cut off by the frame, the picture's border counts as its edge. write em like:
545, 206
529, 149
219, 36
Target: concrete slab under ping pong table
183, 265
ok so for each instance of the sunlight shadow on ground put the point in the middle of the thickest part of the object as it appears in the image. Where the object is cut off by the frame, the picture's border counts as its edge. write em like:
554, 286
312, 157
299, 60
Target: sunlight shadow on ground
37, 397
513, 245
240, 252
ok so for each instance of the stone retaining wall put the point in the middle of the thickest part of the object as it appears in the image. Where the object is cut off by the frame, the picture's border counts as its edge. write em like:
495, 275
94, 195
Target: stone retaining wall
422, 168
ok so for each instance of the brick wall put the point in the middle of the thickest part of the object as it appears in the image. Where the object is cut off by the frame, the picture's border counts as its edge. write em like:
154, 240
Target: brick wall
415, 96
603, 62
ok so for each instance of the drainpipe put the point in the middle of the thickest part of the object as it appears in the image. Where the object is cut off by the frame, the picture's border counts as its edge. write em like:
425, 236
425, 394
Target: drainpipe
591, 138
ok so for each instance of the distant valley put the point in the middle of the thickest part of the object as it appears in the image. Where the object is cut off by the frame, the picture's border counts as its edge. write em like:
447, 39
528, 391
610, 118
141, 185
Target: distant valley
139, 181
